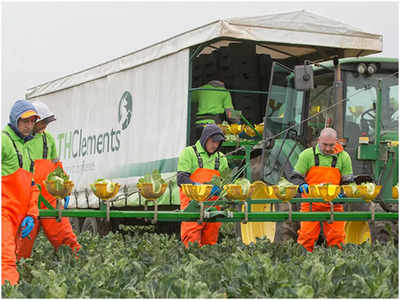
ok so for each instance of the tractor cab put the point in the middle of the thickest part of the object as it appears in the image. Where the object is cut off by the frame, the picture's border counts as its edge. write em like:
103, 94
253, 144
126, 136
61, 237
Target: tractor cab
342, 94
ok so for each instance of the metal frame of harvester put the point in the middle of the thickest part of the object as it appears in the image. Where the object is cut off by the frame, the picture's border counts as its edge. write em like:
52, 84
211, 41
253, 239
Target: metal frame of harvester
201, 213
272, 46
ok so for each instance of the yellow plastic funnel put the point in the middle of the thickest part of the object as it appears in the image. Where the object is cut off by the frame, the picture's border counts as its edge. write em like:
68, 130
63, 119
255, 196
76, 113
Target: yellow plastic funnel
329, 192
351, 191
198, 193
147, 190
235, 128
63, 192
369, 196
101, 192
290, 192
235, 192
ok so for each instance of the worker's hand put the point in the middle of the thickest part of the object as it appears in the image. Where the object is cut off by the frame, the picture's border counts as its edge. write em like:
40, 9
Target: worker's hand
340, 195
27, 225
66, 202
215, 190
303, 188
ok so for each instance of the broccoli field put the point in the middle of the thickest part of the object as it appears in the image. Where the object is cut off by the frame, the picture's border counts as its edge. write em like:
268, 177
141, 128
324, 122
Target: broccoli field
138, 263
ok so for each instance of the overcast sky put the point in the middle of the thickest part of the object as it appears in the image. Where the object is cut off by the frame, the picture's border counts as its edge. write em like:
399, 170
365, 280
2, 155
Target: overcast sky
48, 40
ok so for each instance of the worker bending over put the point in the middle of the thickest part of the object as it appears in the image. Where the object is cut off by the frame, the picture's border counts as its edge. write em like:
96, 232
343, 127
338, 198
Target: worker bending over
214, 105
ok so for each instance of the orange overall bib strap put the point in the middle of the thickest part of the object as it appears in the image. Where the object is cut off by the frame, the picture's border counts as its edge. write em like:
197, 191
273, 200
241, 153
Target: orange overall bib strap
204, 233
16, 195
16, 189
309, 230
58, 233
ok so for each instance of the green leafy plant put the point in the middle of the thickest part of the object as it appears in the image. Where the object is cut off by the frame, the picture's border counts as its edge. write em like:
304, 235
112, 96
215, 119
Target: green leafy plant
283, 184
153, 178
224, 178
58, 176
370, 187
244, 183
134, 263
58, 173
110, 186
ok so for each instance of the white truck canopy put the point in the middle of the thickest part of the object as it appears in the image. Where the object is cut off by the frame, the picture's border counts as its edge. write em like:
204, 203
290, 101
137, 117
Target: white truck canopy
300, 34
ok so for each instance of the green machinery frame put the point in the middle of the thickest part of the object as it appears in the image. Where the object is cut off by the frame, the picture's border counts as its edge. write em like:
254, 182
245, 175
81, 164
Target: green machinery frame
200, 212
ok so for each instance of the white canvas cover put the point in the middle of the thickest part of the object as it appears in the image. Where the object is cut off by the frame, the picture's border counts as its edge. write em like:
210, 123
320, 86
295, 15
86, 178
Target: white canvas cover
121, 126
280, 35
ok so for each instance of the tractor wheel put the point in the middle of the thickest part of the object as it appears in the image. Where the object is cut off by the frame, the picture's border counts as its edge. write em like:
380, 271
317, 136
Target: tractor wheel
96, 226
90, 224
384, 231
76, 225
286, 230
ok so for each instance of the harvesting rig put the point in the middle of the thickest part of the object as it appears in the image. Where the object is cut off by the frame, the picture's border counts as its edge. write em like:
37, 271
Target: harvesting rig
289, 74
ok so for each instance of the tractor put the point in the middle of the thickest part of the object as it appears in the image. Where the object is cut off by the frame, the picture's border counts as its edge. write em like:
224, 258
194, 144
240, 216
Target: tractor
356, 96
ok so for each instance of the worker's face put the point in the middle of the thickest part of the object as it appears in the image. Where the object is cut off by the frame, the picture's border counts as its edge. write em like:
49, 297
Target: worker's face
212, 146
39, 127
25, 126
327, 144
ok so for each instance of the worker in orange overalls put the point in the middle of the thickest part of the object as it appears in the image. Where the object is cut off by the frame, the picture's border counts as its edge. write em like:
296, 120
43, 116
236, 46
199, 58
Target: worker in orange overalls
324, 163
197, 164
42, 149
19, 193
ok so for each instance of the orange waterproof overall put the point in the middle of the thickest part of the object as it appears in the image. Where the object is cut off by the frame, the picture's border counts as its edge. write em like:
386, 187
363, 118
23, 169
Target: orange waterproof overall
204, 233
58, 233
19, 198
309, 230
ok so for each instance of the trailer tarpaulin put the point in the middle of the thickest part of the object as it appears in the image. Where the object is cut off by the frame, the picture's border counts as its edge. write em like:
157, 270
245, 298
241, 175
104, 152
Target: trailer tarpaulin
296, 34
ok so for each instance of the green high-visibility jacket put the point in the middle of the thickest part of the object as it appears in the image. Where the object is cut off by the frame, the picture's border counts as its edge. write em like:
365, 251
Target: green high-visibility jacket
306, 161
212, 102
9, 158
36, 146
188, 162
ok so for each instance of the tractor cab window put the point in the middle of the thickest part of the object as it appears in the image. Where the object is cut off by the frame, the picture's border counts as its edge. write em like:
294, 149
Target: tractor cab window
362, 93
390, 117
284, 102
321, 109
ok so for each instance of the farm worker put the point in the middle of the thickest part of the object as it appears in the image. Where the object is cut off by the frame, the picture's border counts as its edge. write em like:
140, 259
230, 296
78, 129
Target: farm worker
42, 150
19, 193
198, 164
213, 105
326, 163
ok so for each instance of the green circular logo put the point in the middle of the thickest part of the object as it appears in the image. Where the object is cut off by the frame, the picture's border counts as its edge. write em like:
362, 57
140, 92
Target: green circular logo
125, 110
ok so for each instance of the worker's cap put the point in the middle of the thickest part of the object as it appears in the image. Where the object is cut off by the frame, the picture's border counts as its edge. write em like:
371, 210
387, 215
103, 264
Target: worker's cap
29, 113
44, 112
218, 137
22, 109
